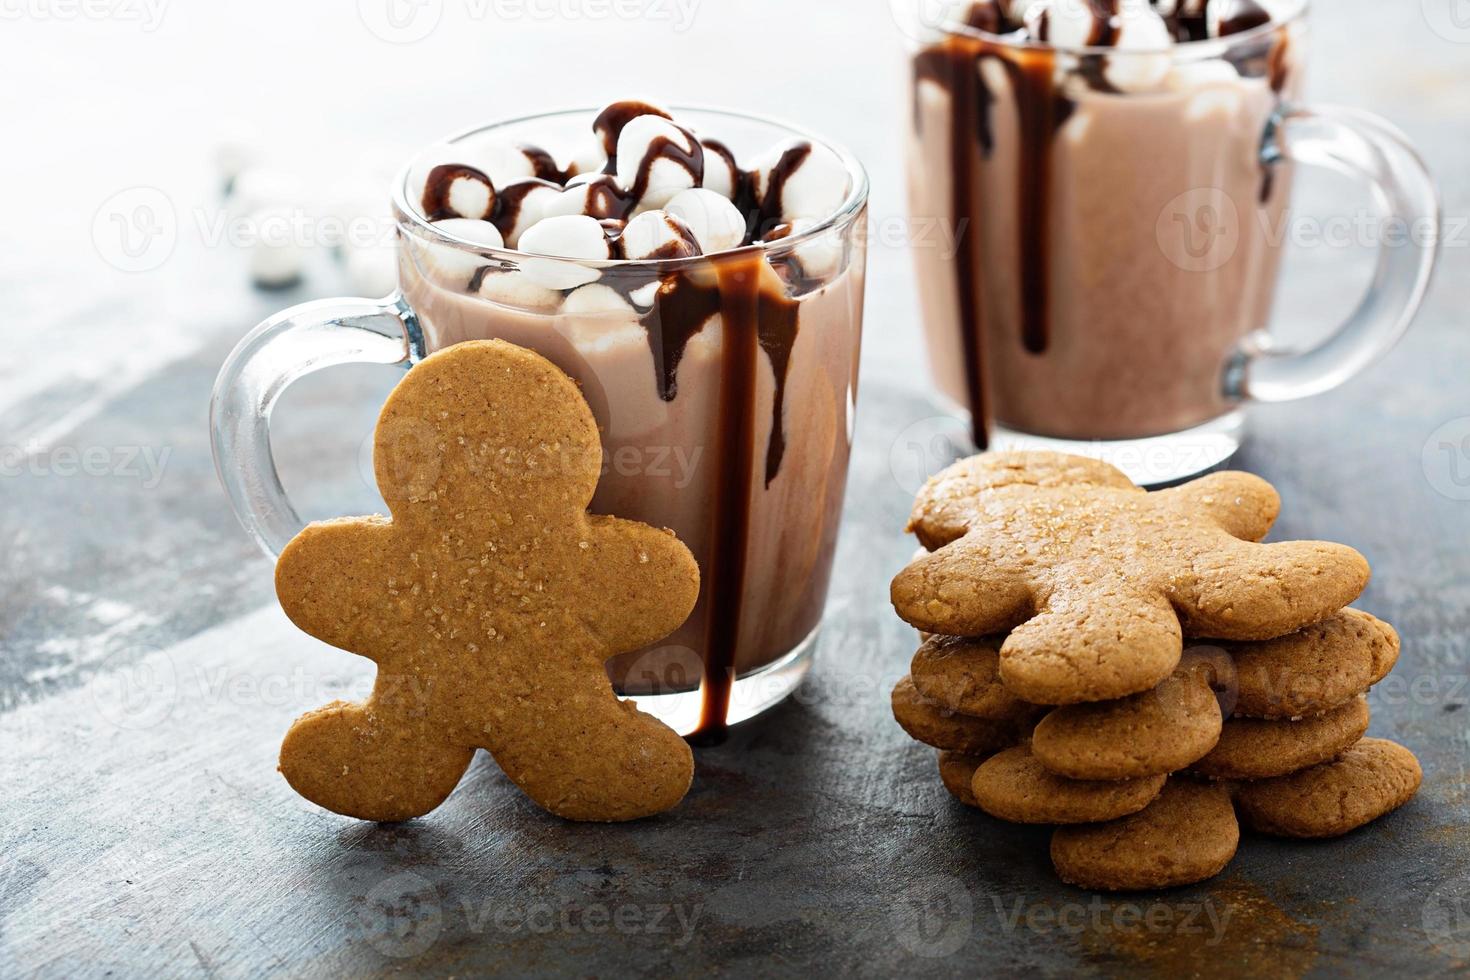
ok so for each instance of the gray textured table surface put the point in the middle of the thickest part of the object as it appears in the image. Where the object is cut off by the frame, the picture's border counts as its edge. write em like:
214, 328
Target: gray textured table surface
147, 675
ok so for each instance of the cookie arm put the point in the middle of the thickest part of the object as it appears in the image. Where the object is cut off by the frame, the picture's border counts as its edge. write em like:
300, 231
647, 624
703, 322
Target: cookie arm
330, 582
640, 583
1243, 505
958, 591
1247, 591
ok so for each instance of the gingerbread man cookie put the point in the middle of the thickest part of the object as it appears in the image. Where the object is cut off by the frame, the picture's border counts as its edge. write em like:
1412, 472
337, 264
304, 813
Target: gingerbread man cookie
1316, 669
1013, 785
1189, 833
1097, 580
489, 601
1372, 778
1253, 748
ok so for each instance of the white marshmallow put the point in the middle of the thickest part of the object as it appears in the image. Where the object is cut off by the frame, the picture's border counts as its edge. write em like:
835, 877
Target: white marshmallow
1201, 74
518, 292
533, 209
372, 271
821, 256
260, 188
277, 256
719, 174
588, 159
472, 230
237, 150
1064, 23
657, 235
717, 224
454, 267
569, 236
1145, 40
665, 177
358, 204
643, 297
503, 162
583, 195
815, 189
594, 299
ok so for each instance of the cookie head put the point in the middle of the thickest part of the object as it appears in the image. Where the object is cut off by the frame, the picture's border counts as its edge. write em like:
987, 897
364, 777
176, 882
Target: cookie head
473, 433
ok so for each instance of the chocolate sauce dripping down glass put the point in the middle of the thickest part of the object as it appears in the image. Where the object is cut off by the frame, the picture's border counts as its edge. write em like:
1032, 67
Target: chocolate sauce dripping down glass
952, 66
738, 282
757, 316
955, 65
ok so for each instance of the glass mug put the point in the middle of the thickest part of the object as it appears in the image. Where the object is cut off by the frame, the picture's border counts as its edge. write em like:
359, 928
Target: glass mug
725, 398
1118, 220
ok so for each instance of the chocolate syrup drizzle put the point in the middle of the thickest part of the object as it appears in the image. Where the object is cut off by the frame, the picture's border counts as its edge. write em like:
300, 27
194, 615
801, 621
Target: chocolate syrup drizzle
759, 313
435, 200
954, 65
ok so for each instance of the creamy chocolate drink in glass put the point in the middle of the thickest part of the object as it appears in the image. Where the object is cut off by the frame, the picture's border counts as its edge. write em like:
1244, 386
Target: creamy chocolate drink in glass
1116, 175
700, 275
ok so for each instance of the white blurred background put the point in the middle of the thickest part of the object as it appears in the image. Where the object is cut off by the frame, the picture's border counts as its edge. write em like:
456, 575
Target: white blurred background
101, 97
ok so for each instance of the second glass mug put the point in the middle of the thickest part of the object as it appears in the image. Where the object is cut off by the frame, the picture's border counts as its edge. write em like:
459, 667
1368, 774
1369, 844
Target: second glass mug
734, 431
1118, 220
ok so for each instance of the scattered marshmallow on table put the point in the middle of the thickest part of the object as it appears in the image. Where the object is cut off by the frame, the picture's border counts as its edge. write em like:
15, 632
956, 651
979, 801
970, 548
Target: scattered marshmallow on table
277, 256
372, 270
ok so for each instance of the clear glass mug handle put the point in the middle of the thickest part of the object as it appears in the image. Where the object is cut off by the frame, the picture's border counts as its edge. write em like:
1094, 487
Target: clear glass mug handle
288, 346
1359, 145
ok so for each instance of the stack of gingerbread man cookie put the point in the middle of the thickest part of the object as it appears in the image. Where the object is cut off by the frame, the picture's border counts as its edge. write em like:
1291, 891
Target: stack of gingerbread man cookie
1138, 670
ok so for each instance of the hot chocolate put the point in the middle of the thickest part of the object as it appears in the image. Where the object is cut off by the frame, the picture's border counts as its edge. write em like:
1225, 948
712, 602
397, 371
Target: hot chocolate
1075, 147
707, 298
